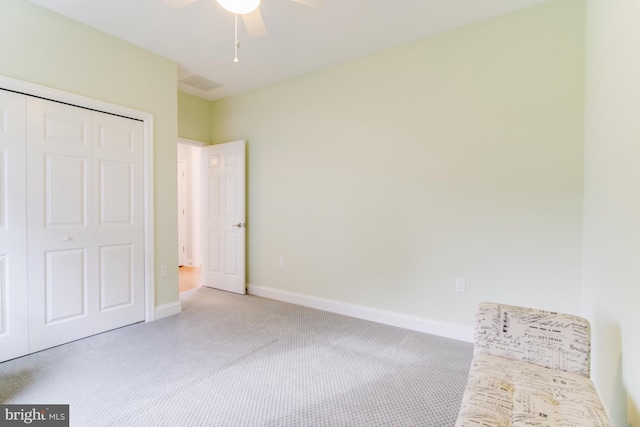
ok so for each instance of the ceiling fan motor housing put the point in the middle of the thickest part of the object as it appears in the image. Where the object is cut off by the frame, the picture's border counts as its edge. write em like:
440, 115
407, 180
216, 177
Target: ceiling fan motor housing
240, 7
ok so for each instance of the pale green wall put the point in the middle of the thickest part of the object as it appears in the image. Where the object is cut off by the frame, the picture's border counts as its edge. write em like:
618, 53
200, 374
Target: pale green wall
612, 203
42, 47
194, 118
383, 179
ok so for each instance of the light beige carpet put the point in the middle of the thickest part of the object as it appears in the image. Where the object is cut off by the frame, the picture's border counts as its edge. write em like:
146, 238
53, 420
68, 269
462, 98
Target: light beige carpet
231, 360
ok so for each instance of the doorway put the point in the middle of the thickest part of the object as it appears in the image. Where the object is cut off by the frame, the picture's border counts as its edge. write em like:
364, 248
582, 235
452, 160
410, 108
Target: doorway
211, 215
190, 259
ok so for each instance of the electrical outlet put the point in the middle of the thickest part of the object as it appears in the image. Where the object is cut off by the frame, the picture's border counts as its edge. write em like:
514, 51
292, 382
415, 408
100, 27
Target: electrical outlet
281, 261
461, 285
163, 271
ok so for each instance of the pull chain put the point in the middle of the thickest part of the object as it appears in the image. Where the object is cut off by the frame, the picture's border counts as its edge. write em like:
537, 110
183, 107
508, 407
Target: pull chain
237, 45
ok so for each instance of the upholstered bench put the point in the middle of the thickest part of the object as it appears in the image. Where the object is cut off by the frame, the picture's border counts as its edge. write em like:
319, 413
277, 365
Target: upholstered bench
530, 368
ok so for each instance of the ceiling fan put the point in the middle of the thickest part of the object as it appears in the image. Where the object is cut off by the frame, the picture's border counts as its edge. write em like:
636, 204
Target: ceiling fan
249, 11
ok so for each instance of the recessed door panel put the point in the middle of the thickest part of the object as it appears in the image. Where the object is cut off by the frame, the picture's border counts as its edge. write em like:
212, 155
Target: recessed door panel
66, 129
4, 312
231, 255
119, 138
4, 123
231, 192
65, 285
116, 278
65, 190
4, 202
116, 185
231, 159
214, 196
214, 252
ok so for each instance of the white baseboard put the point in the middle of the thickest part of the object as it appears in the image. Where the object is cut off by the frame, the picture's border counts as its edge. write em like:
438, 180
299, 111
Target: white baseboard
169, 309
414, 323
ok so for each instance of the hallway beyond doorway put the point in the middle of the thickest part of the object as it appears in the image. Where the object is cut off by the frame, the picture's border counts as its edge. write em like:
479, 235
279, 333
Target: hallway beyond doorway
189, 278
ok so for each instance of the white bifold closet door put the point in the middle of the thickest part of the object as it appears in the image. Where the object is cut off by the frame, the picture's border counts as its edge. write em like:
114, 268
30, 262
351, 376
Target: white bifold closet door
13, 225
85, 222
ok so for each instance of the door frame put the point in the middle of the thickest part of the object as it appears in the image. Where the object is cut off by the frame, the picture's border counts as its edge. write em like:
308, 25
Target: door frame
193, 243
183, 221
32, 89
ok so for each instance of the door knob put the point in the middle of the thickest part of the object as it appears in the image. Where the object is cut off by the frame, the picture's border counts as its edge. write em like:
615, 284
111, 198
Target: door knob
239, 225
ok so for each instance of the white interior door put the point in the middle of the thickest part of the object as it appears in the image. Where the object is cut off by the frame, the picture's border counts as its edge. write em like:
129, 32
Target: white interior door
85, 222
13, 237
182, 212
223, 216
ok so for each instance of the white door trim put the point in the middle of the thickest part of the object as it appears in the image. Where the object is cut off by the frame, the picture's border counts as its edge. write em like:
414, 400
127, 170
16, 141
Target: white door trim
183, 205
33, 89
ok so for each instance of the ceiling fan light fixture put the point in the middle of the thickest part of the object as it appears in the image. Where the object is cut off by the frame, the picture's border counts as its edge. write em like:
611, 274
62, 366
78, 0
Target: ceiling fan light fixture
239, 7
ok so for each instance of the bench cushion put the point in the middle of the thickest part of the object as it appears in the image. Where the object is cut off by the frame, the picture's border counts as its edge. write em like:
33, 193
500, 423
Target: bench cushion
504, 392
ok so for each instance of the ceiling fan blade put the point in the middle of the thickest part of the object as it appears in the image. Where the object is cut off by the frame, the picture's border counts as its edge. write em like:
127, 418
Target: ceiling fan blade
254, 23
312, 3
177, 3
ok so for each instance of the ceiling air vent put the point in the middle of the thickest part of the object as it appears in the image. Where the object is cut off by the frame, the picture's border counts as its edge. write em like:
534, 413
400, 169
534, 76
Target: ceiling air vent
200, 83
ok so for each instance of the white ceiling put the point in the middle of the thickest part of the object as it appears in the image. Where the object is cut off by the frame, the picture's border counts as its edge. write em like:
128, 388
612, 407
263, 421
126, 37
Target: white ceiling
300, 39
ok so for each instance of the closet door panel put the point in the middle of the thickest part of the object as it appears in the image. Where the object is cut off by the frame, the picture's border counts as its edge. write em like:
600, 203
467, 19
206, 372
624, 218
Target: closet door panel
116, 277
65, 285
119, 173
65, 198
61, 221
13, 240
